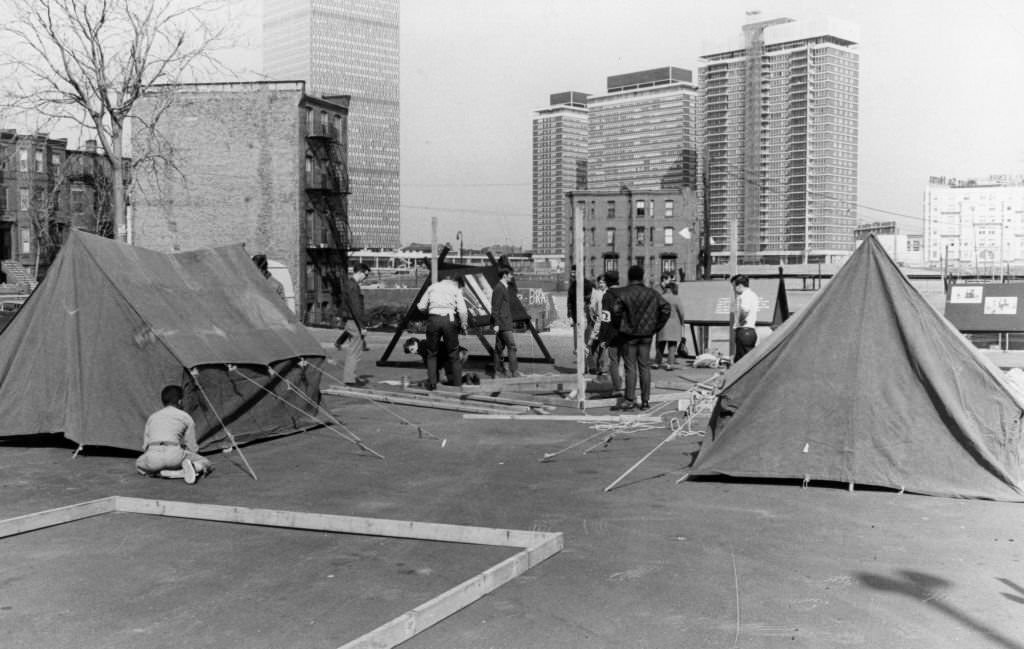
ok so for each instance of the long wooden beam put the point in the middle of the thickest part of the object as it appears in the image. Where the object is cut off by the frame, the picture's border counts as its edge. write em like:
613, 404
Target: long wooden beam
654, 398
484, 398
425, 615
439, 402
58, 516
583, 419
331, 522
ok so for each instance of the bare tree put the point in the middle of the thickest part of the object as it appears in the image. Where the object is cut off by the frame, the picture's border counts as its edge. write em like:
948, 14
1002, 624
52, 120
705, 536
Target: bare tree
89, 61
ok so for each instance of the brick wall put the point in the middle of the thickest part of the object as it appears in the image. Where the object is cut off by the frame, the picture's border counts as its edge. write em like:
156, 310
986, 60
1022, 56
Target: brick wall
239, 157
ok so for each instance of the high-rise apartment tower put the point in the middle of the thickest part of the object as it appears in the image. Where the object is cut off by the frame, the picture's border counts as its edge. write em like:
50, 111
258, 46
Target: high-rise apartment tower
780, 134
349, 47
643, 132
559, 166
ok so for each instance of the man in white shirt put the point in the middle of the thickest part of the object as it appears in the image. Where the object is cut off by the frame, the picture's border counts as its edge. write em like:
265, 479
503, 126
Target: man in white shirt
447, 315
169, 448
744, 316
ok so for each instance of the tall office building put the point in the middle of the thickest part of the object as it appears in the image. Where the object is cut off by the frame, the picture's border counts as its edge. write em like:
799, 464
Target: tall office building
974, 224
643, 132
780, 133
349, 47
559, 166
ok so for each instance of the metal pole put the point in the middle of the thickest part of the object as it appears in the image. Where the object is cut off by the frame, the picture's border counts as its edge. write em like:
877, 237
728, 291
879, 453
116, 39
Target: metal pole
581, 314
433, 249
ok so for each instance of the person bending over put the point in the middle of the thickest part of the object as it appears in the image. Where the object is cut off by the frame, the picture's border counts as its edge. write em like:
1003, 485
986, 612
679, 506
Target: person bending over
169, 448
419, 347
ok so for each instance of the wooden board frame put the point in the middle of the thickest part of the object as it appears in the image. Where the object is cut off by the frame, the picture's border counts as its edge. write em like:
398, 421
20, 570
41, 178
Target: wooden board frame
535, 548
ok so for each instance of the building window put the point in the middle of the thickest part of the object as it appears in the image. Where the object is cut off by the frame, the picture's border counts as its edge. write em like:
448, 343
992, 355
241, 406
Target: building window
669, 206
310, 121
24, 199
641, 209
640, 236
610, 236
55, 160
668, 265
611, 209
669, 233
639, 261
22, 159
40, 162
26, 240
77, 200
610, 264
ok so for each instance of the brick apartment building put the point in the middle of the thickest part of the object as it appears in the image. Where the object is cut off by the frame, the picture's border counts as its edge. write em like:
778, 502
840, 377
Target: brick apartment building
46, 189
258, 163
646, 228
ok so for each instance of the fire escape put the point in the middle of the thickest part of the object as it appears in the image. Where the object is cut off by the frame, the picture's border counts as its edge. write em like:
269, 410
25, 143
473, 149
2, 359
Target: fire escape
328, 237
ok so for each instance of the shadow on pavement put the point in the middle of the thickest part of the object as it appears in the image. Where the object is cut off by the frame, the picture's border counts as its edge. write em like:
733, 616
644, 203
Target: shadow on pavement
931, 590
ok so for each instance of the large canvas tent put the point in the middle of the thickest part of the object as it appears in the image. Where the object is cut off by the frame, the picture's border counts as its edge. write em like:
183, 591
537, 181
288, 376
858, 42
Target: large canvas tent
111, 324
869, 385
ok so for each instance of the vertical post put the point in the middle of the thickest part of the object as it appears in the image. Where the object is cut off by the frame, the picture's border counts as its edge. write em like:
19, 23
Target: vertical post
581, 314
734, 247
433, 249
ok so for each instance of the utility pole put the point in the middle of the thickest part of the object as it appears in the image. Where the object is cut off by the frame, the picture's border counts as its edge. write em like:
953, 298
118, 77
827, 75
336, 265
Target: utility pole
433, 249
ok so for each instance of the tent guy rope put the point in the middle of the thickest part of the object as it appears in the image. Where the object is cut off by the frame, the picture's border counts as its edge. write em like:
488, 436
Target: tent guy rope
348, 435
194, 372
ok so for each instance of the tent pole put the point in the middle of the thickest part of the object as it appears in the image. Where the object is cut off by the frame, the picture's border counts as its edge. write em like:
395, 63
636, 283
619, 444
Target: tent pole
195, 379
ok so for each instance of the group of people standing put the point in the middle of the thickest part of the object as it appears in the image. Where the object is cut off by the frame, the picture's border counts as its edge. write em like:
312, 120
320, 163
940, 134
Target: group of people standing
623, 322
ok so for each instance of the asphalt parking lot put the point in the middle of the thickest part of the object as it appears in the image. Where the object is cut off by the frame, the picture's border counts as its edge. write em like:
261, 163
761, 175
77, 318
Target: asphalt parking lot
650, 564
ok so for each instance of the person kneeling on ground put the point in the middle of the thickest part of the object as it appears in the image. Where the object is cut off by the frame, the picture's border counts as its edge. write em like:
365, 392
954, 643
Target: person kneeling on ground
417, 346
169, 448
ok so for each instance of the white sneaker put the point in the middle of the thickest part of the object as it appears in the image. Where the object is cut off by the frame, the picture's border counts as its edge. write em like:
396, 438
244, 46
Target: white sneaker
189, 471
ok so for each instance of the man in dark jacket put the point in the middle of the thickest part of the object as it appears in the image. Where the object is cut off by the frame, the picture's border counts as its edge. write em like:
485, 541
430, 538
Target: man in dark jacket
353, 319
501, 319
642, 312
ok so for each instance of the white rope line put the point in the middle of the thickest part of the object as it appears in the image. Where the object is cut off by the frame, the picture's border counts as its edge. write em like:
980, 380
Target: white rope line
195, 379
419, 427
348, 436
302, 395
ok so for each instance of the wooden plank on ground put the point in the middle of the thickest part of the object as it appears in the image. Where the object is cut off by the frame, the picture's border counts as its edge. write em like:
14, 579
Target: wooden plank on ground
331, 522
483, 398
58, 516
583, 419
439, 402
657, 397
409, 624
561, 381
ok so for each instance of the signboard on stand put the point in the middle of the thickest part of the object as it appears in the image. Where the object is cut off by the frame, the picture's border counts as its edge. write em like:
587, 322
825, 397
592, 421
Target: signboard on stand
976, 308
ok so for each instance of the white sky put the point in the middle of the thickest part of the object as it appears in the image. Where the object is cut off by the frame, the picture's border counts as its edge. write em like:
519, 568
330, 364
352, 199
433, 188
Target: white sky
941, 93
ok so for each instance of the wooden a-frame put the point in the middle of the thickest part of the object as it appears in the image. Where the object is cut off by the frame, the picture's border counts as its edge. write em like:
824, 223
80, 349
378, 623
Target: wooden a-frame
536, 547
413, 311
